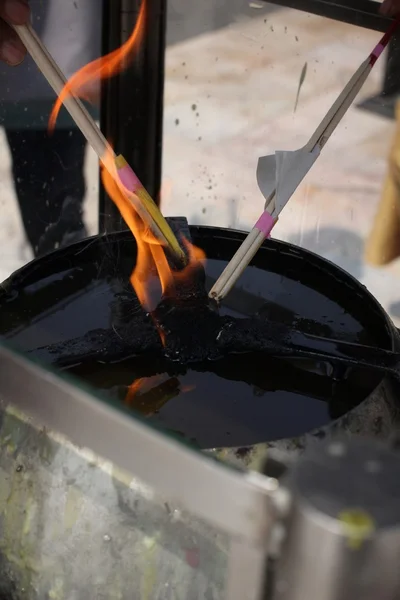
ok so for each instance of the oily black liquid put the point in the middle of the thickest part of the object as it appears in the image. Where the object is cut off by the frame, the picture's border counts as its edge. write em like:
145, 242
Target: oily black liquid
213, 408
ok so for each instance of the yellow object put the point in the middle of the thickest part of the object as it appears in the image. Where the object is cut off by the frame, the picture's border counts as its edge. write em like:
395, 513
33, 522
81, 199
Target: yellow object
154, 212
158, 218
383, 244
358, 526
120, 162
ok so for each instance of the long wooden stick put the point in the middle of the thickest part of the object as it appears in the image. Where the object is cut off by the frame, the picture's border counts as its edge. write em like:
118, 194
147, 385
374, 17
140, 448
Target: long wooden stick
115, 165
323, 132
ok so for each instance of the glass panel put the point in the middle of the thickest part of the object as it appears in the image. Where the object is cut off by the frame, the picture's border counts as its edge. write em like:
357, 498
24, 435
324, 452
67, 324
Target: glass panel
232, 76
243, 79
49, 183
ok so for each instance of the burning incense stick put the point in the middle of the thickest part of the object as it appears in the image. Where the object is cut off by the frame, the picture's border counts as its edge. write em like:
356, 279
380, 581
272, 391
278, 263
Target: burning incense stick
279, 175
115, 165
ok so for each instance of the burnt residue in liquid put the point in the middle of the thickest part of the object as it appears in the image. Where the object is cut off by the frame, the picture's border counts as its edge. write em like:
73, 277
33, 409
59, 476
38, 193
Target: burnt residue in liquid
239, 400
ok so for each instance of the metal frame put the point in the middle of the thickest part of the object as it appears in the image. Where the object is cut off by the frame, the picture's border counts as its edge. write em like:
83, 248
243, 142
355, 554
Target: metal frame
363, 13
252, 508
240, 503
234, 501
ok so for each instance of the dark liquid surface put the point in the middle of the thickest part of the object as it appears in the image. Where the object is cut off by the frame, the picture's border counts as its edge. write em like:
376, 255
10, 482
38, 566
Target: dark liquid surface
238, 401
212, 409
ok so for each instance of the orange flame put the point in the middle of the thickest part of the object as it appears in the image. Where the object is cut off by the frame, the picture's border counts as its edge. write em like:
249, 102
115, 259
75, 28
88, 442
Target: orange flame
101, 68
142, 385
151, 259
149, 394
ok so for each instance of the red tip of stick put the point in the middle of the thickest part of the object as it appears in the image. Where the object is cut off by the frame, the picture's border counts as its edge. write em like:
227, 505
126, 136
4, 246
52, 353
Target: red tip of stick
379, 48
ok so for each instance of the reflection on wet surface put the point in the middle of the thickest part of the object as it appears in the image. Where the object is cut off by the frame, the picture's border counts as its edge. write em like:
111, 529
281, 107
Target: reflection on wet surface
213, 408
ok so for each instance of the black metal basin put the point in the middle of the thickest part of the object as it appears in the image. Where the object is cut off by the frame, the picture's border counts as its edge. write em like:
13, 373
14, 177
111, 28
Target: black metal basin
73, 291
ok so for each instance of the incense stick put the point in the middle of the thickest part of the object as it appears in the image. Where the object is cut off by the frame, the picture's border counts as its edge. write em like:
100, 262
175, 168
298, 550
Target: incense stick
268, 219
117, 167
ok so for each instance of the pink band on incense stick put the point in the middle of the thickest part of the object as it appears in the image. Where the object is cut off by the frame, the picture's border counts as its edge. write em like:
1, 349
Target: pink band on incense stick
129, 179
265, 223
377, 51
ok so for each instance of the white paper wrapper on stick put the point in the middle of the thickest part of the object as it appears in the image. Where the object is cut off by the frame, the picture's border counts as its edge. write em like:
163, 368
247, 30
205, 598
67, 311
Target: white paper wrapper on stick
280, 174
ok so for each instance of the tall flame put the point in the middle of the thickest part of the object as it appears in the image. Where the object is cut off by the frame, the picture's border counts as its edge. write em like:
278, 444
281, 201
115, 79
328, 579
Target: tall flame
101, 68
150, 254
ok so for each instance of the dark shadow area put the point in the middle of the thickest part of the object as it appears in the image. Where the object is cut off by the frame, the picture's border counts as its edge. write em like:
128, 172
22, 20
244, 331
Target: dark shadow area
344, 248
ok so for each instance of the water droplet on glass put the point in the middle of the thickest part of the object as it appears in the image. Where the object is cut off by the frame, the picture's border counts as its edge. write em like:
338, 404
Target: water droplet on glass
372, 466
337, 449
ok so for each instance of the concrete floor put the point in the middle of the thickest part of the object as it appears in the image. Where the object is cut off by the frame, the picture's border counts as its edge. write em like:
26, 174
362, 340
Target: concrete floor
229, 98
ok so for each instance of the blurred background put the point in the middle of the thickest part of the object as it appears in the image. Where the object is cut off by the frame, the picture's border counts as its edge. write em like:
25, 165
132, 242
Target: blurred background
232, 74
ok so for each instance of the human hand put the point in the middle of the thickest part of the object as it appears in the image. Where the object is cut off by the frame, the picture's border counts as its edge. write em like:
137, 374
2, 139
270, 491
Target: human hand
15, 12
390, 8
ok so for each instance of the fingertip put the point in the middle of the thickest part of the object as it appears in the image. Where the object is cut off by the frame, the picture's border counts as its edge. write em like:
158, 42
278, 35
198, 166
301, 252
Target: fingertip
12, 52
16, 12
385, 7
